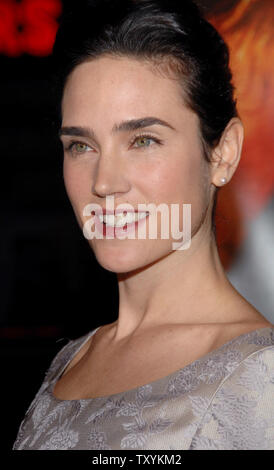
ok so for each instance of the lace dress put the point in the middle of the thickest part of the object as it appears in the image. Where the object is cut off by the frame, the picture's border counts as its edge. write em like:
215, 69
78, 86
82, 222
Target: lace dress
223, 400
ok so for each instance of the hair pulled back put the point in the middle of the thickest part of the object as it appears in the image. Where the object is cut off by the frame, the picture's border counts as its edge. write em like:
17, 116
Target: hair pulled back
161, 31
154, 30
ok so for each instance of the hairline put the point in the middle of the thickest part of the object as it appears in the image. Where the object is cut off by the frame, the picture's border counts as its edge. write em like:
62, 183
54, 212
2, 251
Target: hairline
166, 65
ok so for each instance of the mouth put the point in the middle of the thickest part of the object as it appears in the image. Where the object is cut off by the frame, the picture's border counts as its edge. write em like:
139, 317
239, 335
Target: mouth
110, 224
122, 220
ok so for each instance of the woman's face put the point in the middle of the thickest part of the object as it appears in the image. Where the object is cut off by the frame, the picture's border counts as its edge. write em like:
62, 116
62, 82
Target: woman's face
166, 166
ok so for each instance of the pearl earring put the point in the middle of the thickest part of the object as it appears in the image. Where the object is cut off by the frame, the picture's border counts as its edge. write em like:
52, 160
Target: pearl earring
223, 180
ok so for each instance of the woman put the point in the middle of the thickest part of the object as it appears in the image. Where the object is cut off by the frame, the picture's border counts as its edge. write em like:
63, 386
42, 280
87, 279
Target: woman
148, 117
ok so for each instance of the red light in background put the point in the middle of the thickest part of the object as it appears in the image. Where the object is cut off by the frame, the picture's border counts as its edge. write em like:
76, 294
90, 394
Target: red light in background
28, 26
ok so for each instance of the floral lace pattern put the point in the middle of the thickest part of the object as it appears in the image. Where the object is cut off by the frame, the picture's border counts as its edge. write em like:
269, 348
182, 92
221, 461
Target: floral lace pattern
223, 400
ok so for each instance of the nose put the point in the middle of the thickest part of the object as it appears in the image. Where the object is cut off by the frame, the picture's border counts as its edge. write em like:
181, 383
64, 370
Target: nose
110, 177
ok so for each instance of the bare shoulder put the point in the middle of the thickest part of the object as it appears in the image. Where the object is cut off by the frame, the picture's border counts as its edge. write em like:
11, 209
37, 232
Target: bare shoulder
243, 315
252, 318
253, 321
94, 339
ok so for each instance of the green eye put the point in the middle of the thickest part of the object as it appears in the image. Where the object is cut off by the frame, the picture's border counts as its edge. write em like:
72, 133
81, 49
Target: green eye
144, 141
77, 148
80, 147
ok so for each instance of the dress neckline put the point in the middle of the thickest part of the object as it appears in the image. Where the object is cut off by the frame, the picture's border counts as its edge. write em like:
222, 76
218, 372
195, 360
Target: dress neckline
154, 382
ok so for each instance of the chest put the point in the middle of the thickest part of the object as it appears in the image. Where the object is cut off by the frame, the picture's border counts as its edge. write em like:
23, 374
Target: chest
103, 373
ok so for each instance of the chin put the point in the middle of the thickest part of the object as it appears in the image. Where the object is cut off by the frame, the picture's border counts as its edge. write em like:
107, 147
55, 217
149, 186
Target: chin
125, 258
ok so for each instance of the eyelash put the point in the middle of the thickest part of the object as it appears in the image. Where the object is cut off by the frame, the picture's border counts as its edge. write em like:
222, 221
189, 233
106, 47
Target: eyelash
146, 136
139, 136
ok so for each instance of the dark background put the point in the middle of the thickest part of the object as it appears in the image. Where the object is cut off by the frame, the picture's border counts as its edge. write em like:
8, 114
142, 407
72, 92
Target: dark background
50, 280
51, 285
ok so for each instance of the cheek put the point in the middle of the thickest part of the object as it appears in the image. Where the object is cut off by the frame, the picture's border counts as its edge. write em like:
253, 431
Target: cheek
177, 180
76, 179
181, 180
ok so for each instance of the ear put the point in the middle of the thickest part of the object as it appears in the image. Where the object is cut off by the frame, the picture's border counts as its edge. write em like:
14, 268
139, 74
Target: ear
227, 154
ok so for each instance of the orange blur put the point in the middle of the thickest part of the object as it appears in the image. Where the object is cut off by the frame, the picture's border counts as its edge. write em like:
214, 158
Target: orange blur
248, 30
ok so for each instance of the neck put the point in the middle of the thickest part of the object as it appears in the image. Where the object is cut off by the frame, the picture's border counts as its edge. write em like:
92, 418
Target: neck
186, 287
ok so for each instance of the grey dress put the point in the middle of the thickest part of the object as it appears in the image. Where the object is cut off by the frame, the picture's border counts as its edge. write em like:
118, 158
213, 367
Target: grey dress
223, 400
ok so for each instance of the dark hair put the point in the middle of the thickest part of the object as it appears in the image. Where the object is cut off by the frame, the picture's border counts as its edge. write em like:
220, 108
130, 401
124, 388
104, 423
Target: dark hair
172, 32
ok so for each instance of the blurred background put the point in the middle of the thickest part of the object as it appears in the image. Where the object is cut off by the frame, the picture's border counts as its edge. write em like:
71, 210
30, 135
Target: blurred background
50, 279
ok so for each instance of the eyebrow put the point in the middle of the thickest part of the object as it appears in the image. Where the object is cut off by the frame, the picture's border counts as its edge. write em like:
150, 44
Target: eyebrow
131, 125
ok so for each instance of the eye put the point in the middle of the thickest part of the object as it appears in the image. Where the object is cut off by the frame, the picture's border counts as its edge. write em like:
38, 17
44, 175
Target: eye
80, 147
77, 148
145, 140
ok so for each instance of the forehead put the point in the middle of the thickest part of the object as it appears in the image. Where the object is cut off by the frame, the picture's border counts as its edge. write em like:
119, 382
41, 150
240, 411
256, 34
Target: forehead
117, 84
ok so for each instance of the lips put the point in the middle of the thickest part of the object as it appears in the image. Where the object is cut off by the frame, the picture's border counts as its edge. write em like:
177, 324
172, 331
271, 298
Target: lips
118, 211
116, 227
